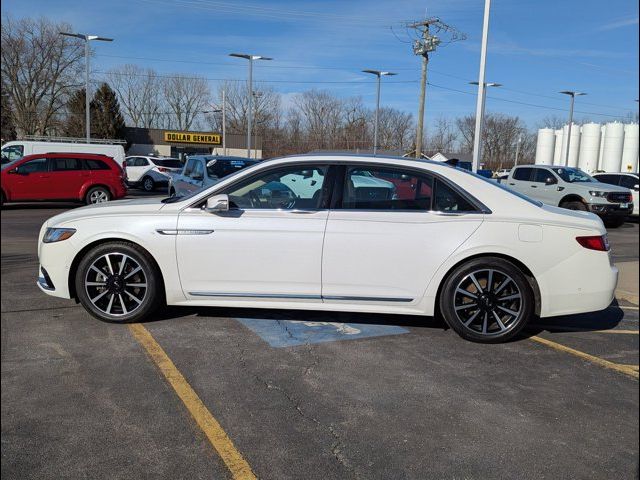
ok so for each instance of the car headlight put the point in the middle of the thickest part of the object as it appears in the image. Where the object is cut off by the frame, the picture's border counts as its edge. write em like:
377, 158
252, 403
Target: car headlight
597, 193
57, 234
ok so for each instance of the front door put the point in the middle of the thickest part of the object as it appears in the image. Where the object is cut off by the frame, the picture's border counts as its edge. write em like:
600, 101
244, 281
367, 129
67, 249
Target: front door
30, 181
546, 193
269, 244
386, 239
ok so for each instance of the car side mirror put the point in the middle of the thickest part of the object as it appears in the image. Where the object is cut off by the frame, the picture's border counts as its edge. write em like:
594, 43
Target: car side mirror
550, 181
13, 171
217, 203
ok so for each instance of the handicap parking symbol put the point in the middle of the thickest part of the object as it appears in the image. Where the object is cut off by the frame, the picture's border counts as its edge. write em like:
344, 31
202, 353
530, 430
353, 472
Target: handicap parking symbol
290, 333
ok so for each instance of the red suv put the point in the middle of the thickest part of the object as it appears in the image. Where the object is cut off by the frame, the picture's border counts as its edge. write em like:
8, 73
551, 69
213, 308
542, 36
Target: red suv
88, 178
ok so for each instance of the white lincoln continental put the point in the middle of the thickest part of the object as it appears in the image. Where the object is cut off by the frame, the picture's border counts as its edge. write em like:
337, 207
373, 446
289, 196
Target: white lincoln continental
345, 233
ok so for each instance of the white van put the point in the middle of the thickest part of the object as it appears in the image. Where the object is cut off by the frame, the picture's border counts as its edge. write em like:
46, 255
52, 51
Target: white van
17, 149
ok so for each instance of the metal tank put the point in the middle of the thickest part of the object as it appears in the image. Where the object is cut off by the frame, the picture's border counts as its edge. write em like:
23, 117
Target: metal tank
613, 145
630, 148
558, 159
574, 145
589, 147
545, 146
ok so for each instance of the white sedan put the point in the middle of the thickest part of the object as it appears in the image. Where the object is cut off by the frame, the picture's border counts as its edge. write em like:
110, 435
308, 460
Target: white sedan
436, 239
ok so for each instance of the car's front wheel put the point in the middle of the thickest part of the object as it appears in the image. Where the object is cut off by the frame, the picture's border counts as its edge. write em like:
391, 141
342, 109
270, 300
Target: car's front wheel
487, 300
118, 282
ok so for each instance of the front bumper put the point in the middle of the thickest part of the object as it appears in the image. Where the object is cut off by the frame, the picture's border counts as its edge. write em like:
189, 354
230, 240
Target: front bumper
611, 209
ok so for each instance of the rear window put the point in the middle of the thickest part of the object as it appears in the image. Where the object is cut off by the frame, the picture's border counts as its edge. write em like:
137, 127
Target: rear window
92, 164
168, 163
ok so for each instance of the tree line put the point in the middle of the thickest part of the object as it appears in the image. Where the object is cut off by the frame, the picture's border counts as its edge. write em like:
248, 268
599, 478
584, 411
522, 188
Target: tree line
42, 94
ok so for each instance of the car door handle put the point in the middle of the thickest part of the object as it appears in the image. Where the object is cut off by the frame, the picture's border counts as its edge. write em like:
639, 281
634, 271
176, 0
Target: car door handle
534, 186
511, 183
302, 212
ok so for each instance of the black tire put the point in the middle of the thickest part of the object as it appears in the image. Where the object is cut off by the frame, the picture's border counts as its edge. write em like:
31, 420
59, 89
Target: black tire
97, 195
116, 303
575, 205
458, 308
2, 199
614, 222
147, 184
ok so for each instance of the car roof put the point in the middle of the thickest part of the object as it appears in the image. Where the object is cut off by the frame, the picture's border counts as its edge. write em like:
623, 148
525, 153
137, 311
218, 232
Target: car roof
96, 156
220, 157
632, 174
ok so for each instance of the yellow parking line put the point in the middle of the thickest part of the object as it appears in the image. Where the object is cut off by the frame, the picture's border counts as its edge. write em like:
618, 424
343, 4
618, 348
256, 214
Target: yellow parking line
218, 438
555, 328
626, 369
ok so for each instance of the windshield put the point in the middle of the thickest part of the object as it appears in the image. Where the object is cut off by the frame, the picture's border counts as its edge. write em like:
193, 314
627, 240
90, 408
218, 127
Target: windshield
571, 175
168, 162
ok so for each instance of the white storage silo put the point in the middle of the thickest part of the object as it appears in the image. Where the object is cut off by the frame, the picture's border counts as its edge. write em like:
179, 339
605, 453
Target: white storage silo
545, 146
558, 159
603, 130
574, 146
612, 150
589, 147
630, 149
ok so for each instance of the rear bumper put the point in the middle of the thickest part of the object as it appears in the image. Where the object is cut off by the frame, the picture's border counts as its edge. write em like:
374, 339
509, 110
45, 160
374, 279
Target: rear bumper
583, 283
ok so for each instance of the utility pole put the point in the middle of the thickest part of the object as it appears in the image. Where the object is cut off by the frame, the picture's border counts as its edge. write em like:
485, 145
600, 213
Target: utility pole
224, 121
425, 43
517, 150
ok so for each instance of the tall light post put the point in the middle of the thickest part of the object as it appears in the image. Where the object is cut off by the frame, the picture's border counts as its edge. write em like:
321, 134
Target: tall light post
378, 74
477, 142
484, 103
87, 39
251, 58
573, 96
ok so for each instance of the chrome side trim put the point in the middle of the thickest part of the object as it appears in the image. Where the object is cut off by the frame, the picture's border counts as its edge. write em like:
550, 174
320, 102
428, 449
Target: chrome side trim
255, 295
301, 297
183, 232
367, 299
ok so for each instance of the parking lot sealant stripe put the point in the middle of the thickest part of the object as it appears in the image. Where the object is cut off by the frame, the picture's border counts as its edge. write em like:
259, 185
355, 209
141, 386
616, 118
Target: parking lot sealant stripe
218, 438
629, 370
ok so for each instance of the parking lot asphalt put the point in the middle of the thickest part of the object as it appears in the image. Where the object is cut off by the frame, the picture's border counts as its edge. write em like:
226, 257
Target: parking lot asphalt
310, 395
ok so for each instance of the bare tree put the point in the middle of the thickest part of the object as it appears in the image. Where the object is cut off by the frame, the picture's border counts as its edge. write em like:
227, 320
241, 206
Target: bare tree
140, 94
40, 68
186, 98
444, 137
322, 114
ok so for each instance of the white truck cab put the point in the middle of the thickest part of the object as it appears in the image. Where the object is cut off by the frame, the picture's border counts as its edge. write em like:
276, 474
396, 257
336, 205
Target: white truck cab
571, 188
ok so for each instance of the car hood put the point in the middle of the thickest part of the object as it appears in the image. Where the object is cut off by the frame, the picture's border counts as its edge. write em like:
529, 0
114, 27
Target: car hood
118, 207
601, 186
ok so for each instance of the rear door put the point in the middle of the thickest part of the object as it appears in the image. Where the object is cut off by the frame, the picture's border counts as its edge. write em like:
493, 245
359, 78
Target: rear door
67, 177
384, 244
520, 181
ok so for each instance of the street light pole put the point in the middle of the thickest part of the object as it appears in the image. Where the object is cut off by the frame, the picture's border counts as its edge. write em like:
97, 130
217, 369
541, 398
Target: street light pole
378, 74
251, 58
224, 121
482, 109
87, 101
477, 142
573, 95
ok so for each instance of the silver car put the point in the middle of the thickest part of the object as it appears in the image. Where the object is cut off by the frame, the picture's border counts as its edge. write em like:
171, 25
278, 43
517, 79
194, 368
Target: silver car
201, 171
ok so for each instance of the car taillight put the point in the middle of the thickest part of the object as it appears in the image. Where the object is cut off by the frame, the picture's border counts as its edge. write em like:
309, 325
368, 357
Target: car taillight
599, 243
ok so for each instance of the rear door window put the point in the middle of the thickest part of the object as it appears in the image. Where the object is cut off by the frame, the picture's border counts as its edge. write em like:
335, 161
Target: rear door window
65, 164
523, 174
446, 199
198, 170
610, 179
628, 181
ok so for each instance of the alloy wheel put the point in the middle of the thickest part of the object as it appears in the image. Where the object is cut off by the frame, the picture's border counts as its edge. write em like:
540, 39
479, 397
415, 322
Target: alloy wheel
98, 196
116, 284
488, 302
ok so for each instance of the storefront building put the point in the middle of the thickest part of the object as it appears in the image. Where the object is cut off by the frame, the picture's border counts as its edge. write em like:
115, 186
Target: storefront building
178, 144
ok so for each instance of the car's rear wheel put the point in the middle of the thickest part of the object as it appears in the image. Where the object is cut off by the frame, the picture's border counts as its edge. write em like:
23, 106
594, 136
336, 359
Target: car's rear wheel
148, 185
487, 300
97, 195
575, 205
118, 282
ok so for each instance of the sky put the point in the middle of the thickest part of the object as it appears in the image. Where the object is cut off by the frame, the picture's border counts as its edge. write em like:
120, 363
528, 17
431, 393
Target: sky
536, 48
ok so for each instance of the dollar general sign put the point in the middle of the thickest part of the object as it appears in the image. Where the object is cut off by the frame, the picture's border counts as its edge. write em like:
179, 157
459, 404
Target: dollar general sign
193, 137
